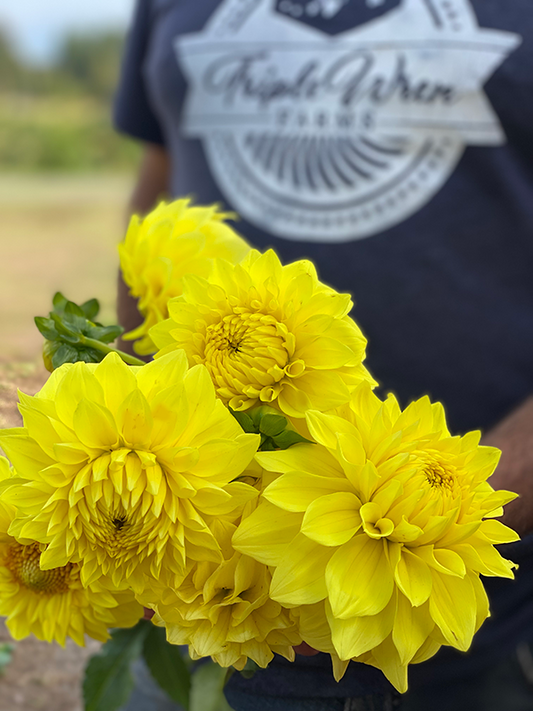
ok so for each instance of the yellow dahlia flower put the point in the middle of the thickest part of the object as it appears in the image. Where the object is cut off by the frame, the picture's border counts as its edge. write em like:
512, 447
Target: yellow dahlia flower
53, 604
124, 467
268, 333
223, 610
314, 628
388, 523
173, 240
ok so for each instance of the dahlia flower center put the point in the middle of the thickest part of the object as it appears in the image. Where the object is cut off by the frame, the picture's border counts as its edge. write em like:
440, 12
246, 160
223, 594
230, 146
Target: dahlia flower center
23, 562
438, 476
119, 533
121, 488
249, 354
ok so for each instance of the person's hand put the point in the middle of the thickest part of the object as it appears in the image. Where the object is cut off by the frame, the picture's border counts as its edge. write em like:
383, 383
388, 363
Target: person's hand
514, 436
305, 650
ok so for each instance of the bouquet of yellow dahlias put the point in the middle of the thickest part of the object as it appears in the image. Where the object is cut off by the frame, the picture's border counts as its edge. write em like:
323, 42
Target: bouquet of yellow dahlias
247, 485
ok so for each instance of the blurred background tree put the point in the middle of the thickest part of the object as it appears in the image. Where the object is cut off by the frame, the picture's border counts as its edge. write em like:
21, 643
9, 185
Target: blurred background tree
92, 61
57, 117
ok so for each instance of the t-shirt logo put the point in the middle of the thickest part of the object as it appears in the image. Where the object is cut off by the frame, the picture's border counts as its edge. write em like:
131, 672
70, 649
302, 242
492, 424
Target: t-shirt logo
334, 137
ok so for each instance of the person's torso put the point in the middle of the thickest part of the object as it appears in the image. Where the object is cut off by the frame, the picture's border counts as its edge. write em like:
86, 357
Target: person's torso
391, 141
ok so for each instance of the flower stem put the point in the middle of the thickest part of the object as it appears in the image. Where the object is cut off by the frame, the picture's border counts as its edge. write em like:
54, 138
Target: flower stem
99, 346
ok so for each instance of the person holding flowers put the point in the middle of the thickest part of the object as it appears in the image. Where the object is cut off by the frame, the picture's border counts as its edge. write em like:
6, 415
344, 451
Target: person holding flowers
442, 290
365, 538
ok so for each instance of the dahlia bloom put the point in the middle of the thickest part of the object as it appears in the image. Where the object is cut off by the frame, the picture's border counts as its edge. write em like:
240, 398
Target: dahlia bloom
122, 469
382, 530
223, 610
268, 333
173, 240
53, 604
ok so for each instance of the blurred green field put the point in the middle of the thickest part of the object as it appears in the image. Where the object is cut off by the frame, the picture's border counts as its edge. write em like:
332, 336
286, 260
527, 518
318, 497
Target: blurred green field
60, 133
57, 232
58, 117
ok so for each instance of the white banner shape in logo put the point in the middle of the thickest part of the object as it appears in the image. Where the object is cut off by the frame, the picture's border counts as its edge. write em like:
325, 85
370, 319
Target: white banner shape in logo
334, 138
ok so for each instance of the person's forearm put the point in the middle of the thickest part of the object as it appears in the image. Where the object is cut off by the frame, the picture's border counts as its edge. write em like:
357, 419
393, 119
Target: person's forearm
152, 185
153, 180
514, 436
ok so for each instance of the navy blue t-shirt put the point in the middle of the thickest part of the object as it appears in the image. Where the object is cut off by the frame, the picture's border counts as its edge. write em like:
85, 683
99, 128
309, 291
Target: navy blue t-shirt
391, 142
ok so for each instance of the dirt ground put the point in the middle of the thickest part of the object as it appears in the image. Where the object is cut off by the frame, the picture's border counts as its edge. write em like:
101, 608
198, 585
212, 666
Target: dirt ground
56, 233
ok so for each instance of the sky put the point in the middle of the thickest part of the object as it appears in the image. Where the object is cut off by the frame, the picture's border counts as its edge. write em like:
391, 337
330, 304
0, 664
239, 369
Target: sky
36, 27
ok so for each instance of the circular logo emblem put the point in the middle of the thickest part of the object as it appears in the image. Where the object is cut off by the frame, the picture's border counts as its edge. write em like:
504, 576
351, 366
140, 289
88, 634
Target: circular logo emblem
319, 136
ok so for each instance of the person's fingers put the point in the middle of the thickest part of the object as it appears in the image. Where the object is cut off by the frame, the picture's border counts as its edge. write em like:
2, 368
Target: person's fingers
305, 650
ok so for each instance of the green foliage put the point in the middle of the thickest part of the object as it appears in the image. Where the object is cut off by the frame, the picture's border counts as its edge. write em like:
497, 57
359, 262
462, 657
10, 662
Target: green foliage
250, 668
59, 117
108, 681
71, 334
92, 61
87, 64
167, 666
10, 70
6, 655
207, 688
61, 133
273, 427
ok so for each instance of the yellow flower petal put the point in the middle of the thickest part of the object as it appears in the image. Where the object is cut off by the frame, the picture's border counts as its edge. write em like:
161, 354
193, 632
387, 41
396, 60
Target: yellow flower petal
266, 533
117, 382
387, 659
94, 425
297, 490
301, 457
413, 577
357, 635
412, 626
299, 577
358, 578
457, 622
496, 532
333, 519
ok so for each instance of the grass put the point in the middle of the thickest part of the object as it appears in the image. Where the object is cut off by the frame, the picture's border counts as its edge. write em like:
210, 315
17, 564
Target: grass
58, 232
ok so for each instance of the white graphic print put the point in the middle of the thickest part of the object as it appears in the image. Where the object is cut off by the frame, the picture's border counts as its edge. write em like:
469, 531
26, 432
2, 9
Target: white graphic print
334, 138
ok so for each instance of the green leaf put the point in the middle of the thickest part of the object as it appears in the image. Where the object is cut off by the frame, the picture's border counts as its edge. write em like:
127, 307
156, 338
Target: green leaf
63, 327
90, 309
71, 336
73, 309
64, 354
272, 425
77, 323
46, 327
249, 669
244, 420
106, 334
207, 684
267, 445
89, 355
6, 654
288, 438
108, 682
167, 666
59, 302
